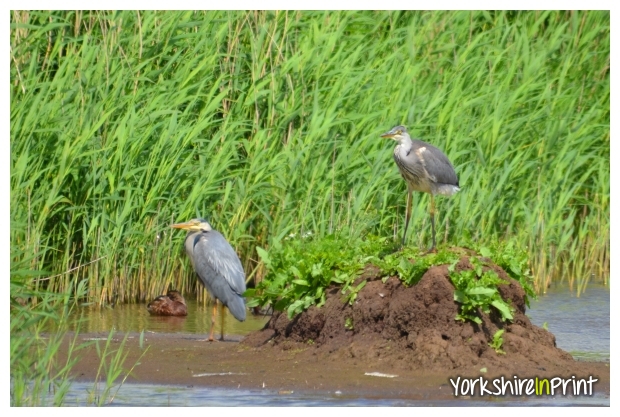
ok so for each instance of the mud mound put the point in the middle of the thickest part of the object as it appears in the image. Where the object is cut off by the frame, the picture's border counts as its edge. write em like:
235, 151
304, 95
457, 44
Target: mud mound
415, 327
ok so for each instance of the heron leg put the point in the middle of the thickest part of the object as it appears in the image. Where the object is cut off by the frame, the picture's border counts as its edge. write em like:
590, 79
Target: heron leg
223, 315
407, 213
213, 321
432, 249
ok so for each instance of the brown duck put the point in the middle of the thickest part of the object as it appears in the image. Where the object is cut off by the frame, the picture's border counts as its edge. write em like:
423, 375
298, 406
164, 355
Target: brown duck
171, 304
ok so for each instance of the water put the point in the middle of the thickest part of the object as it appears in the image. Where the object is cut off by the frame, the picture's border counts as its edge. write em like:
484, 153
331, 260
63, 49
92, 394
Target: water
135, 318
581, 326
179, 396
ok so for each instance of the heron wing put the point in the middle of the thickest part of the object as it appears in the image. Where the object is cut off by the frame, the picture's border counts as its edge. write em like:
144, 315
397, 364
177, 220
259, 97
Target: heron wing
214, 258
436, 163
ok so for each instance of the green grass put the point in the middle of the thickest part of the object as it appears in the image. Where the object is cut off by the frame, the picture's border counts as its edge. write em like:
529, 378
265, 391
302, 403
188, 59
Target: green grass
268, 123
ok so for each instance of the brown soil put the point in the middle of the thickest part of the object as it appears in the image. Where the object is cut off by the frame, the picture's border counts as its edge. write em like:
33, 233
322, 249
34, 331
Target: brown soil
414, 328
409, 332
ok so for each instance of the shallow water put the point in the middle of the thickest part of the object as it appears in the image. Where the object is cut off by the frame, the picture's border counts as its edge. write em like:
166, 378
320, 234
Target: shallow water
180, 396
135, 318
580, 324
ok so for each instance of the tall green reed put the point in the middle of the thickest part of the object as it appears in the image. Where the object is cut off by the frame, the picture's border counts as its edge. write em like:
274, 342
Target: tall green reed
40, 366
267, 124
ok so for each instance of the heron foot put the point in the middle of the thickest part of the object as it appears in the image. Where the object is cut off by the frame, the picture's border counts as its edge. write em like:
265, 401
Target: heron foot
431, 250
210, 339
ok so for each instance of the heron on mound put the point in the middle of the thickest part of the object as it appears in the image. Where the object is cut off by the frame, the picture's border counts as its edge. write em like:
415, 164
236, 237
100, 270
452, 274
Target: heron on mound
218, 267
424, 168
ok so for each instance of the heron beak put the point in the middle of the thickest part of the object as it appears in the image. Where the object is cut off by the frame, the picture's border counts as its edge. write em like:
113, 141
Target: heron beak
185, 225
389, 135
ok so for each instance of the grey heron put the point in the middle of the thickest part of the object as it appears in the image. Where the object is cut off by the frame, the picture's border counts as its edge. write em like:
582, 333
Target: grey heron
424, 168
218, 267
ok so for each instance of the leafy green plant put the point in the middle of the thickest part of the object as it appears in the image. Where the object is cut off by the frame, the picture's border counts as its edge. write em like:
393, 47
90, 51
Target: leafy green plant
475, 289
300, 270
498, 342
411, 264
514, 261
351, 291
348, 323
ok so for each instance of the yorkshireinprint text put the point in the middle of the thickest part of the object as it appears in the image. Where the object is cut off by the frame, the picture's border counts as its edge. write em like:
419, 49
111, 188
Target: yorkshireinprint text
525, 386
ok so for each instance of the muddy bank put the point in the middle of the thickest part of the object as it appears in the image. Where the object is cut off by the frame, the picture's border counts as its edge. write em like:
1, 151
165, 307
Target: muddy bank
190, 361
415, 329
187, 360
407, 332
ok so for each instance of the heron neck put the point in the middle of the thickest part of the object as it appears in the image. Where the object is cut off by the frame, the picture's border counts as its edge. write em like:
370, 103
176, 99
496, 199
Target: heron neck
405, 144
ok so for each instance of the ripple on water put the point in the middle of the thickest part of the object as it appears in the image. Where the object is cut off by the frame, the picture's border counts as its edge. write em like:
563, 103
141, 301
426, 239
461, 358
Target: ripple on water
580, 324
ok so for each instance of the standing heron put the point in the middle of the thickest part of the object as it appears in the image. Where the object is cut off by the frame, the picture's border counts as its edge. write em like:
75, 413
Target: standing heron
424, 168
217, 266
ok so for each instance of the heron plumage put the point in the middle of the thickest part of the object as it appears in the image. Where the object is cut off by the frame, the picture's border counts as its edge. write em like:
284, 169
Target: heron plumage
424, 168
218, 267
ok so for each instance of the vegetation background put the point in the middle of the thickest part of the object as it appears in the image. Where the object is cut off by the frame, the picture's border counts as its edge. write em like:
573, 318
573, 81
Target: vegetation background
268, 124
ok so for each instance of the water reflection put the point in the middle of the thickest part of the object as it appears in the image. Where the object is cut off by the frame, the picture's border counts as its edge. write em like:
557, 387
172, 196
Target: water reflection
135, 318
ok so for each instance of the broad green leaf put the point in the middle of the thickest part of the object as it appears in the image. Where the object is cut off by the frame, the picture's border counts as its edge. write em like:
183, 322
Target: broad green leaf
503, 308
481, 291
